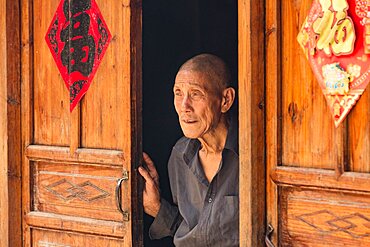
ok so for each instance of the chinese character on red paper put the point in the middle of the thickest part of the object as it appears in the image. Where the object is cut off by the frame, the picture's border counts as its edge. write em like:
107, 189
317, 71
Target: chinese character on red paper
78, 38
336, 40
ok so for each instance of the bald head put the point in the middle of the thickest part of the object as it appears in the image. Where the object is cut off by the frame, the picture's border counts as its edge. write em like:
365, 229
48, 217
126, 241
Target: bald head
213, 66
203, 97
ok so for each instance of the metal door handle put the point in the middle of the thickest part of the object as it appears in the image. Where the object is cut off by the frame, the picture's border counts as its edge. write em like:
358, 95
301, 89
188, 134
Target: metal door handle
119, 194
270, 230
119, 197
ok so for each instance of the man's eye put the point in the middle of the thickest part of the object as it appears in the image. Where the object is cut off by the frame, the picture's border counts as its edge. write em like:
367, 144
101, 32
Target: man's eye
178, 93
196, 94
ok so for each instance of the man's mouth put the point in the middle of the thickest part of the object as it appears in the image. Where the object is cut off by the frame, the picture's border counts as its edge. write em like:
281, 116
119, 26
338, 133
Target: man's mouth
189, 121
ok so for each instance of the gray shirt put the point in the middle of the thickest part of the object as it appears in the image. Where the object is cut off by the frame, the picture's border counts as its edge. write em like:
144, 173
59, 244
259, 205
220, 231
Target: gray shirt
204, 213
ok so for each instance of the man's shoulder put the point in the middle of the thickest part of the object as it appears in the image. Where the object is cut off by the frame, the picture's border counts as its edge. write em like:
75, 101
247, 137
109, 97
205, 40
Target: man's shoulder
180, 147
185, 146
185, 149
181, 144
177, 154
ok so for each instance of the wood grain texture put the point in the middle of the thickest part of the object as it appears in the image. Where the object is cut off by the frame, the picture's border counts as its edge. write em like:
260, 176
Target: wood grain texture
75, 129
82, 155
4, 216
51, 97
44, 238
309, 177
105, 108
77, 158
324, 218
14, 121
273, 111
27, 110
303, 103
76, 189
359, 135
251, 122
111, 113
304, 149
76, 224
136, 148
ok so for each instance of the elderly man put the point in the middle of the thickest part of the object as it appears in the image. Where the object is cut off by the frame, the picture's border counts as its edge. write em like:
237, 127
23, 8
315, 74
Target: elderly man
204, 164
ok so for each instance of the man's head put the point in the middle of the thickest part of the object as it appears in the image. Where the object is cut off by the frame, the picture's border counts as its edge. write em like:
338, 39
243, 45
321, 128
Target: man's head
202, 95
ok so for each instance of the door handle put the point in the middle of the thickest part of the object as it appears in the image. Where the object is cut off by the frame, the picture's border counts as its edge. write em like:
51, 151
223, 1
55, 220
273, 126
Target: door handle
119, 196
269, 232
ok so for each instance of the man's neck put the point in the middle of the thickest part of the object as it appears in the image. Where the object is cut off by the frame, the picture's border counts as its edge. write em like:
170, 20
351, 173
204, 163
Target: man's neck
214, 141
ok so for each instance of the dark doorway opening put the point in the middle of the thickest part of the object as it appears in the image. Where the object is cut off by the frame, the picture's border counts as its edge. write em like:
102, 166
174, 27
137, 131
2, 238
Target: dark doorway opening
174, 31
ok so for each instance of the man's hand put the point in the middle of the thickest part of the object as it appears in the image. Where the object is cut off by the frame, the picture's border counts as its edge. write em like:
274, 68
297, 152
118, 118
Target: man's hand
151, 194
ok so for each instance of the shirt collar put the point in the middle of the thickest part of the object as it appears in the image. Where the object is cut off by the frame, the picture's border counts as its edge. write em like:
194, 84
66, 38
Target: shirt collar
232, 142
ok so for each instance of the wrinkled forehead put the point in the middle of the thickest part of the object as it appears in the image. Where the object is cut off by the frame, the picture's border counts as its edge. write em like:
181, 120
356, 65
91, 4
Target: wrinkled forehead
197, 78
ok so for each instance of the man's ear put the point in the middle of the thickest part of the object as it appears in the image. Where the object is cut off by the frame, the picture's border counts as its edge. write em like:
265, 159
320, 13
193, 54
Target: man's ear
228, 97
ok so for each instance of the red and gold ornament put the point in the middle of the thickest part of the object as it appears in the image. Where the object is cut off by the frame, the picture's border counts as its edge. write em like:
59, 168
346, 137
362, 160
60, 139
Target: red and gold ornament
336, 40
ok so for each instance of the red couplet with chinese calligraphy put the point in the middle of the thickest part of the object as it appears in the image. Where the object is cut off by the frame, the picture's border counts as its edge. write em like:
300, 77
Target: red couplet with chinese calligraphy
77, 38
336, 40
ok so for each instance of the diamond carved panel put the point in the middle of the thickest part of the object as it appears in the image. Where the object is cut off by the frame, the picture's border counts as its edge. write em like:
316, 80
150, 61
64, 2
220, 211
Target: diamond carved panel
356, 225
86, 191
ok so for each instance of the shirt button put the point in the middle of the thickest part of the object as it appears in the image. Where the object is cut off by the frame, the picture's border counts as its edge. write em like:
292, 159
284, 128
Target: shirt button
210, 200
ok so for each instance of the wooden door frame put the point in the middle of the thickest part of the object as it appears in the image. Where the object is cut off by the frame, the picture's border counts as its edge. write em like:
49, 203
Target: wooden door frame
251, 32
10, 126
4, 226
273, 83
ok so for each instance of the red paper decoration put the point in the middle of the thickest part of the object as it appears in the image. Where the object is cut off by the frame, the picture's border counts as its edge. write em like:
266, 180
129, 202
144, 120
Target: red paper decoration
336, 40
77, 38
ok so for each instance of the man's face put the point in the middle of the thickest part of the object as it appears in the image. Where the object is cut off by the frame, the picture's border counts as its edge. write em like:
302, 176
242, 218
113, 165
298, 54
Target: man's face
197, 102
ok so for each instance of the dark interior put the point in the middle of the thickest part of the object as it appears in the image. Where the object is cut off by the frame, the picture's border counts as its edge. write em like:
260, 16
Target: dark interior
174, 31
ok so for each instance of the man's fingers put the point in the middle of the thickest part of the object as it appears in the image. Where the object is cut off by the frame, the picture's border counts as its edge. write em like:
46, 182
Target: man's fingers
148, 160
151, 167
148, 179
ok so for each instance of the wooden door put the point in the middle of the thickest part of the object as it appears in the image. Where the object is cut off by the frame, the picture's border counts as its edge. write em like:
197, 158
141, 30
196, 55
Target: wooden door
72, 161
318, 176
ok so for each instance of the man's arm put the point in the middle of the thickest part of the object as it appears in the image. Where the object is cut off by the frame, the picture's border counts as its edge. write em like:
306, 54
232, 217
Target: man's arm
167, 221
167, 217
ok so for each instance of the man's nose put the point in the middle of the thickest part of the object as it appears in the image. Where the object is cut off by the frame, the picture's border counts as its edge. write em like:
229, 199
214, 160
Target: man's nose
186, 103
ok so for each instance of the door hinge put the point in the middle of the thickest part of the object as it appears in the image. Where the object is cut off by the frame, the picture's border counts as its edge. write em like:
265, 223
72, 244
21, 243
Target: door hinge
268, 235
126, 216
125, 176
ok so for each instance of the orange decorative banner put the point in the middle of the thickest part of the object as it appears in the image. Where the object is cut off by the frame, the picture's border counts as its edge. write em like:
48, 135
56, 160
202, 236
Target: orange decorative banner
336, 40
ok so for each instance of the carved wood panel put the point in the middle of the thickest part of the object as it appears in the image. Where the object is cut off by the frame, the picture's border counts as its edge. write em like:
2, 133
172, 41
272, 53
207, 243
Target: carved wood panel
67, 188
324, 218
